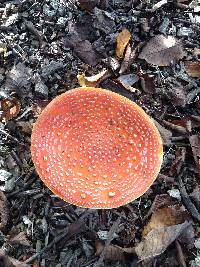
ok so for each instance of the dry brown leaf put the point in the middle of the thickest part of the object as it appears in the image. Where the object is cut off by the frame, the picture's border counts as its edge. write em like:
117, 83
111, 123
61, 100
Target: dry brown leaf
123, 39
195, 144
10, 109
94, 80
4, 211
164, 227
6, 261
113, 252
18, 79
161, 50
166, 217
19, 239
193, 68
82, 48
159, 202
128, 57
157, 241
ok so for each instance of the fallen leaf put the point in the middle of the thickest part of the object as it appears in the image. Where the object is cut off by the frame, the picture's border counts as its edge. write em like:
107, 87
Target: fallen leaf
159, 202
164, 227
6, 261
166, 216
181, 122
18, 239
4, 211
84, 28
103, 20
122, 40
195, 145
9, 108
111, 63
127, 81
113, 252
161, 50
128, 57
86, 53
147, 83
19, 79
193, 68
94, 80
82, 47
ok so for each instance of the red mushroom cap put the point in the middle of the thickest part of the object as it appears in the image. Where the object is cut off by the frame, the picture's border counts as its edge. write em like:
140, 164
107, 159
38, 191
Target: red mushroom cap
95, 148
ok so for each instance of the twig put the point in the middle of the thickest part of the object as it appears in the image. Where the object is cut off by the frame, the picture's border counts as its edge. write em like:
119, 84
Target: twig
11, 137
68, 232
108, 241
27, 185
187, 201
181, 258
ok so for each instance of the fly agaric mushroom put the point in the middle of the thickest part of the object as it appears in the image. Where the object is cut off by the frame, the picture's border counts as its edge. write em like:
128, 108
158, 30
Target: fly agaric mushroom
96, 149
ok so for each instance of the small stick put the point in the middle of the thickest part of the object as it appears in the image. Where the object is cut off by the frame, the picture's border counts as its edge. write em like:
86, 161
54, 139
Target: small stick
69, 231
11, 137
187, 201
108, 241
181, 258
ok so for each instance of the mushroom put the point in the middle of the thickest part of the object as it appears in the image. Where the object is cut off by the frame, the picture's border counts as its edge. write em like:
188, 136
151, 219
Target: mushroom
96, 149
